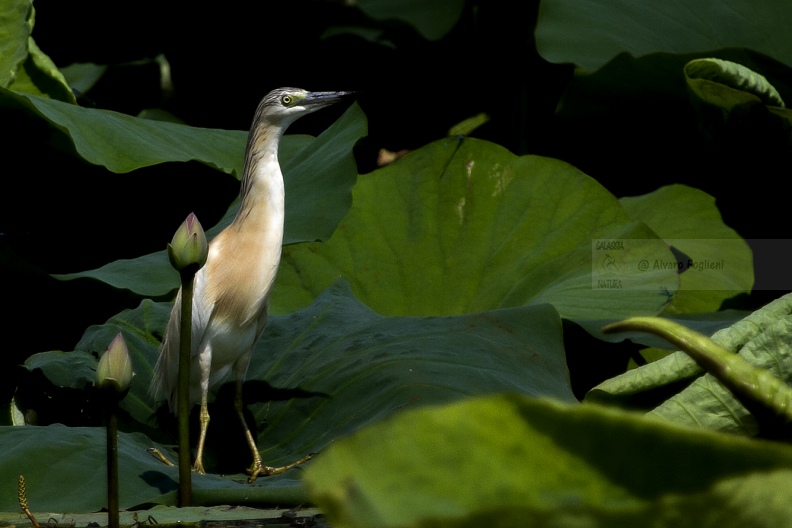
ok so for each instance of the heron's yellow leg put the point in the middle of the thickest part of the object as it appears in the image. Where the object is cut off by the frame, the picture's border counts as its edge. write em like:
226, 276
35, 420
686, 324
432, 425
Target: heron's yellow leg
258, 469
204, 417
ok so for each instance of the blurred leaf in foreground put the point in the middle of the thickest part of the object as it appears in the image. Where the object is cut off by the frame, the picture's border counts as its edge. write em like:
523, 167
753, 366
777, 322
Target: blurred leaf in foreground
514, 461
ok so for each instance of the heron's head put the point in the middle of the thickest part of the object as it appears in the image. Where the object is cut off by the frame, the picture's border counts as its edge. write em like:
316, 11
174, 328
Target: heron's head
283, 106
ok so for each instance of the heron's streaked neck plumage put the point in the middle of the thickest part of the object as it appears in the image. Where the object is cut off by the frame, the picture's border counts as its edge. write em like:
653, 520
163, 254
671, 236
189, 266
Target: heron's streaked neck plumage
262, 180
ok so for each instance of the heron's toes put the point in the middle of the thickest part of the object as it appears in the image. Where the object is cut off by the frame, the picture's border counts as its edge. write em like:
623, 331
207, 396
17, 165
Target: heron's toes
260, 470
159, 456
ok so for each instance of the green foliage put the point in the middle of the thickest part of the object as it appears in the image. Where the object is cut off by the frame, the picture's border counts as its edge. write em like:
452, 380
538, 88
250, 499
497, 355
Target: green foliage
765, 396
422, 311
83, 76
76, 455
23, 66
697, 230
680, 367
720, 81
762, 339
188, 517
17, 24
591, 32
124, 143
324, 199
335, 367
514, 460
728, 95
462, 225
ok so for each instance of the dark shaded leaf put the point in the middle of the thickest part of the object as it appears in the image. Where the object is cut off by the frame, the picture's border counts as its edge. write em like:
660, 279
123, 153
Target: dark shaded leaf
431, 18
336, 367
591, 32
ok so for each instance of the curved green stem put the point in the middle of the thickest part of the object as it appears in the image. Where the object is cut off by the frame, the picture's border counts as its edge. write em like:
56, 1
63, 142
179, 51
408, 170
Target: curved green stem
767, 397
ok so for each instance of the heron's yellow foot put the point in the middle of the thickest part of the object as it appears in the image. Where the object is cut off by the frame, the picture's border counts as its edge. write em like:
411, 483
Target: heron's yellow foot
258, 469
198, 467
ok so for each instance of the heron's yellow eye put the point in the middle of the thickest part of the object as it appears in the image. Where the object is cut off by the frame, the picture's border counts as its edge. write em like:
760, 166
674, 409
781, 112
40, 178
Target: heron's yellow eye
287, 100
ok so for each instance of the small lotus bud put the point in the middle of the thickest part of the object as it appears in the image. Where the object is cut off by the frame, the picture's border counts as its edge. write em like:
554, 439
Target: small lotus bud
115, 367
189, 246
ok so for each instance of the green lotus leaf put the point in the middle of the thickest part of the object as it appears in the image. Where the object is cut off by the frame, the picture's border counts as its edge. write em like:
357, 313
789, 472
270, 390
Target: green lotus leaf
124, 143
463, 225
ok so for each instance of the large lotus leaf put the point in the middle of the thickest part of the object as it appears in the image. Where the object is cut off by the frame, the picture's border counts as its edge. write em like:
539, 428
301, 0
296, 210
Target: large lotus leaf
366, 366
688, 220
318, 172
591, 32
150, 275
751, 337
431, 18
124, 143
16, 25
509, 461
64, 470
463, 225
337, 366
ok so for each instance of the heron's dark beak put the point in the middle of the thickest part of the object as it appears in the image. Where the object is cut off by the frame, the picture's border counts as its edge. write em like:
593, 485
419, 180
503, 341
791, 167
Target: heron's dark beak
319, 99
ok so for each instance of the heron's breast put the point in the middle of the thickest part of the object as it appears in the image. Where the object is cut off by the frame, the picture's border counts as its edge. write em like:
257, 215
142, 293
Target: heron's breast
240, 271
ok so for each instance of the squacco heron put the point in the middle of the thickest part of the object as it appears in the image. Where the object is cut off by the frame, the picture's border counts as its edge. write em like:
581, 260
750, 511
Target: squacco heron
231, 291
